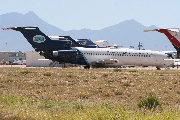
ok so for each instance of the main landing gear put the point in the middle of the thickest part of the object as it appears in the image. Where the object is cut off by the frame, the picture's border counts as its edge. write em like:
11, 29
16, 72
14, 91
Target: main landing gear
158, 68
87, 67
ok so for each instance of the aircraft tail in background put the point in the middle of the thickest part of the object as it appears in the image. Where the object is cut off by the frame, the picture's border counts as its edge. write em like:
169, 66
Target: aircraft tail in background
173, 34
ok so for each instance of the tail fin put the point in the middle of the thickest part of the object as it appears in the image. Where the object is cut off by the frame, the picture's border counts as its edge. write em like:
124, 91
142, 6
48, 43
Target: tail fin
81, 42
74, 43
39, 41
87, 43
173, 34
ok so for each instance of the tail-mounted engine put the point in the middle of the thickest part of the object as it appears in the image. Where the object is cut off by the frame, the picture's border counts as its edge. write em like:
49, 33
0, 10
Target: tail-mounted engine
65, 52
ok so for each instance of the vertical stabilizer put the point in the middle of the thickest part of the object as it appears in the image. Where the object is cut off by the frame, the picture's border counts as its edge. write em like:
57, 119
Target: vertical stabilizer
173, 34
39, 41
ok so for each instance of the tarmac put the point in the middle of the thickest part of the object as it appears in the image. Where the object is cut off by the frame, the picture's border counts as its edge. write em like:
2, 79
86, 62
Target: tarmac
136, 67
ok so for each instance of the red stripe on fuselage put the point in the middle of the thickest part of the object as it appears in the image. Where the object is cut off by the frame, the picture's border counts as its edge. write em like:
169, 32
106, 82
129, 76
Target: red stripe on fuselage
74, 45
172, 39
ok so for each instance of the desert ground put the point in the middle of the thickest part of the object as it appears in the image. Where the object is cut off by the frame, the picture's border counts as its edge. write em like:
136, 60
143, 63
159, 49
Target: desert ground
77, 93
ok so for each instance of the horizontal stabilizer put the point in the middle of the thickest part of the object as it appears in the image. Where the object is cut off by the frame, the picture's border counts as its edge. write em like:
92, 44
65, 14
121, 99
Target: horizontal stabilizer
16, 28
150, 30
161, 30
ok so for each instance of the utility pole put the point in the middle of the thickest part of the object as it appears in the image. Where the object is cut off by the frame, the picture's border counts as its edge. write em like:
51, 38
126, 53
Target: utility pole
140, 46
6, 47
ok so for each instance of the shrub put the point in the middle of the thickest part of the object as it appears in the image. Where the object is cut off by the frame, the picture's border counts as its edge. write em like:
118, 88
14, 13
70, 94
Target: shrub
94, 77
47, 74
149, 103
118, 92
78, 106
69, 76
105, 75
110, 81
47, 104
84, 95
107, 93
26, 72
178, 91
132, 70
126, 84
117, 70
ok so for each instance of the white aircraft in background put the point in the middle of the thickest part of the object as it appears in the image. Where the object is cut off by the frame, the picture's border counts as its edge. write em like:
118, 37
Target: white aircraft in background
66, 50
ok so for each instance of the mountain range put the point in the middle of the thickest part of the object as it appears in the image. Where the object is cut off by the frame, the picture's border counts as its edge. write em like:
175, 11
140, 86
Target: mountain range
126, 34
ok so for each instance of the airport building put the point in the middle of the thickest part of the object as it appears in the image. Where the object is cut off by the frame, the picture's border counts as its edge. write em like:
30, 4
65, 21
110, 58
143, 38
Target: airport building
30, 58
12, 56
34, 59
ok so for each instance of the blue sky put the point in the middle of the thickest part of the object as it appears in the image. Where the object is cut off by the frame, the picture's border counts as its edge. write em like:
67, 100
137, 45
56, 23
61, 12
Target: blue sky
98, 14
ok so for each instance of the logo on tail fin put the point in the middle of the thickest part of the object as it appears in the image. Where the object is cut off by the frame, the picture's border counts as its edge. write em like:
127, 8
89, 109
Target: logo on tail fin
39, 38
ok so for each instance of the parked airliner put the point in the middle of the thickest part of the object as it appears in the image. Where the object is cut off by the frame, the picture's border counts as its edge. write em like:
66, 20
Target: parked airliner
66, 50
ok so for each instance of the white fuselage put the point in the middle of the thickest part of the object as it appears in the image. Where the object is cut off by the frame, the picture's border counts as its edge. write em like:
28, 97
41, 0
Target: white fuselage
125, 56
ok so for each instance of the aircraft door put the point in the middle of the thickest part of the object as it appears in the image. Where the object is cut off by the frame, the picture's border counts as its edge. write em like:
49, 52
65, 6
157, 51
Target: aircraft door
155, 59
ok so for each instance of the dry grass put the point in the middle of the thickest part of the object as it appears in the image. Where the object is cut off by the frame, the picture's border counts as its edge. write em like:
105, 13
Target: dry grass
36, 93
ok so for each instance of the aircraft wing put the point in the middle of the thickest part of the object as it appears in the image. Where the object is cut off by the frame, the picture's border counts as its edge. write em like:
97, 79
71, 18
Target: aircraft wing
176, 61
110, 61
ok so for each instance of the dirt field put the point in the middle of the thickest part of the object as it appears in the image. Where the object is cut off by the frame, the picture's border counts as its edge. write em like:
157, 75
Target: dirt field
90, 88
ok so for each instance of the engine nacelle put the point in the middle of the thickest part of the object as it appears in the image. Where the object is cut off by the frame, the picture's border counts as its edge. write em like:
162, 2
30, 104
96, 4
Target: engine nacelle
65, 52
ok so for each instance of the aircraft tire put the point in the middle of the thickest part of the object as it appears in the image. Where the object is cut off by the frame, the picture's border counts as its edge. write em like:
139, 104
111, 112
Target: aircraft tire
87, 67
158, 68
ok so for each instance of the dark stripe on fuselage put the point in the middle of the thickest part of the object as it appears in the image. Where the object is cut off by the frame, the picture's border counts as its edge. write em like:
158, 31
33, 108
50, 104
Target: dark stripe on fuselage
76, 58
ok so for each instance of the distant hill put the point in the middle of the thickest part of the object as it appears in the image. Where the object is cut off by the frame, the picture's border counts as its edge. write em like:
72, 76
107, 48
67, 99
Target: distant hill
126, 34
